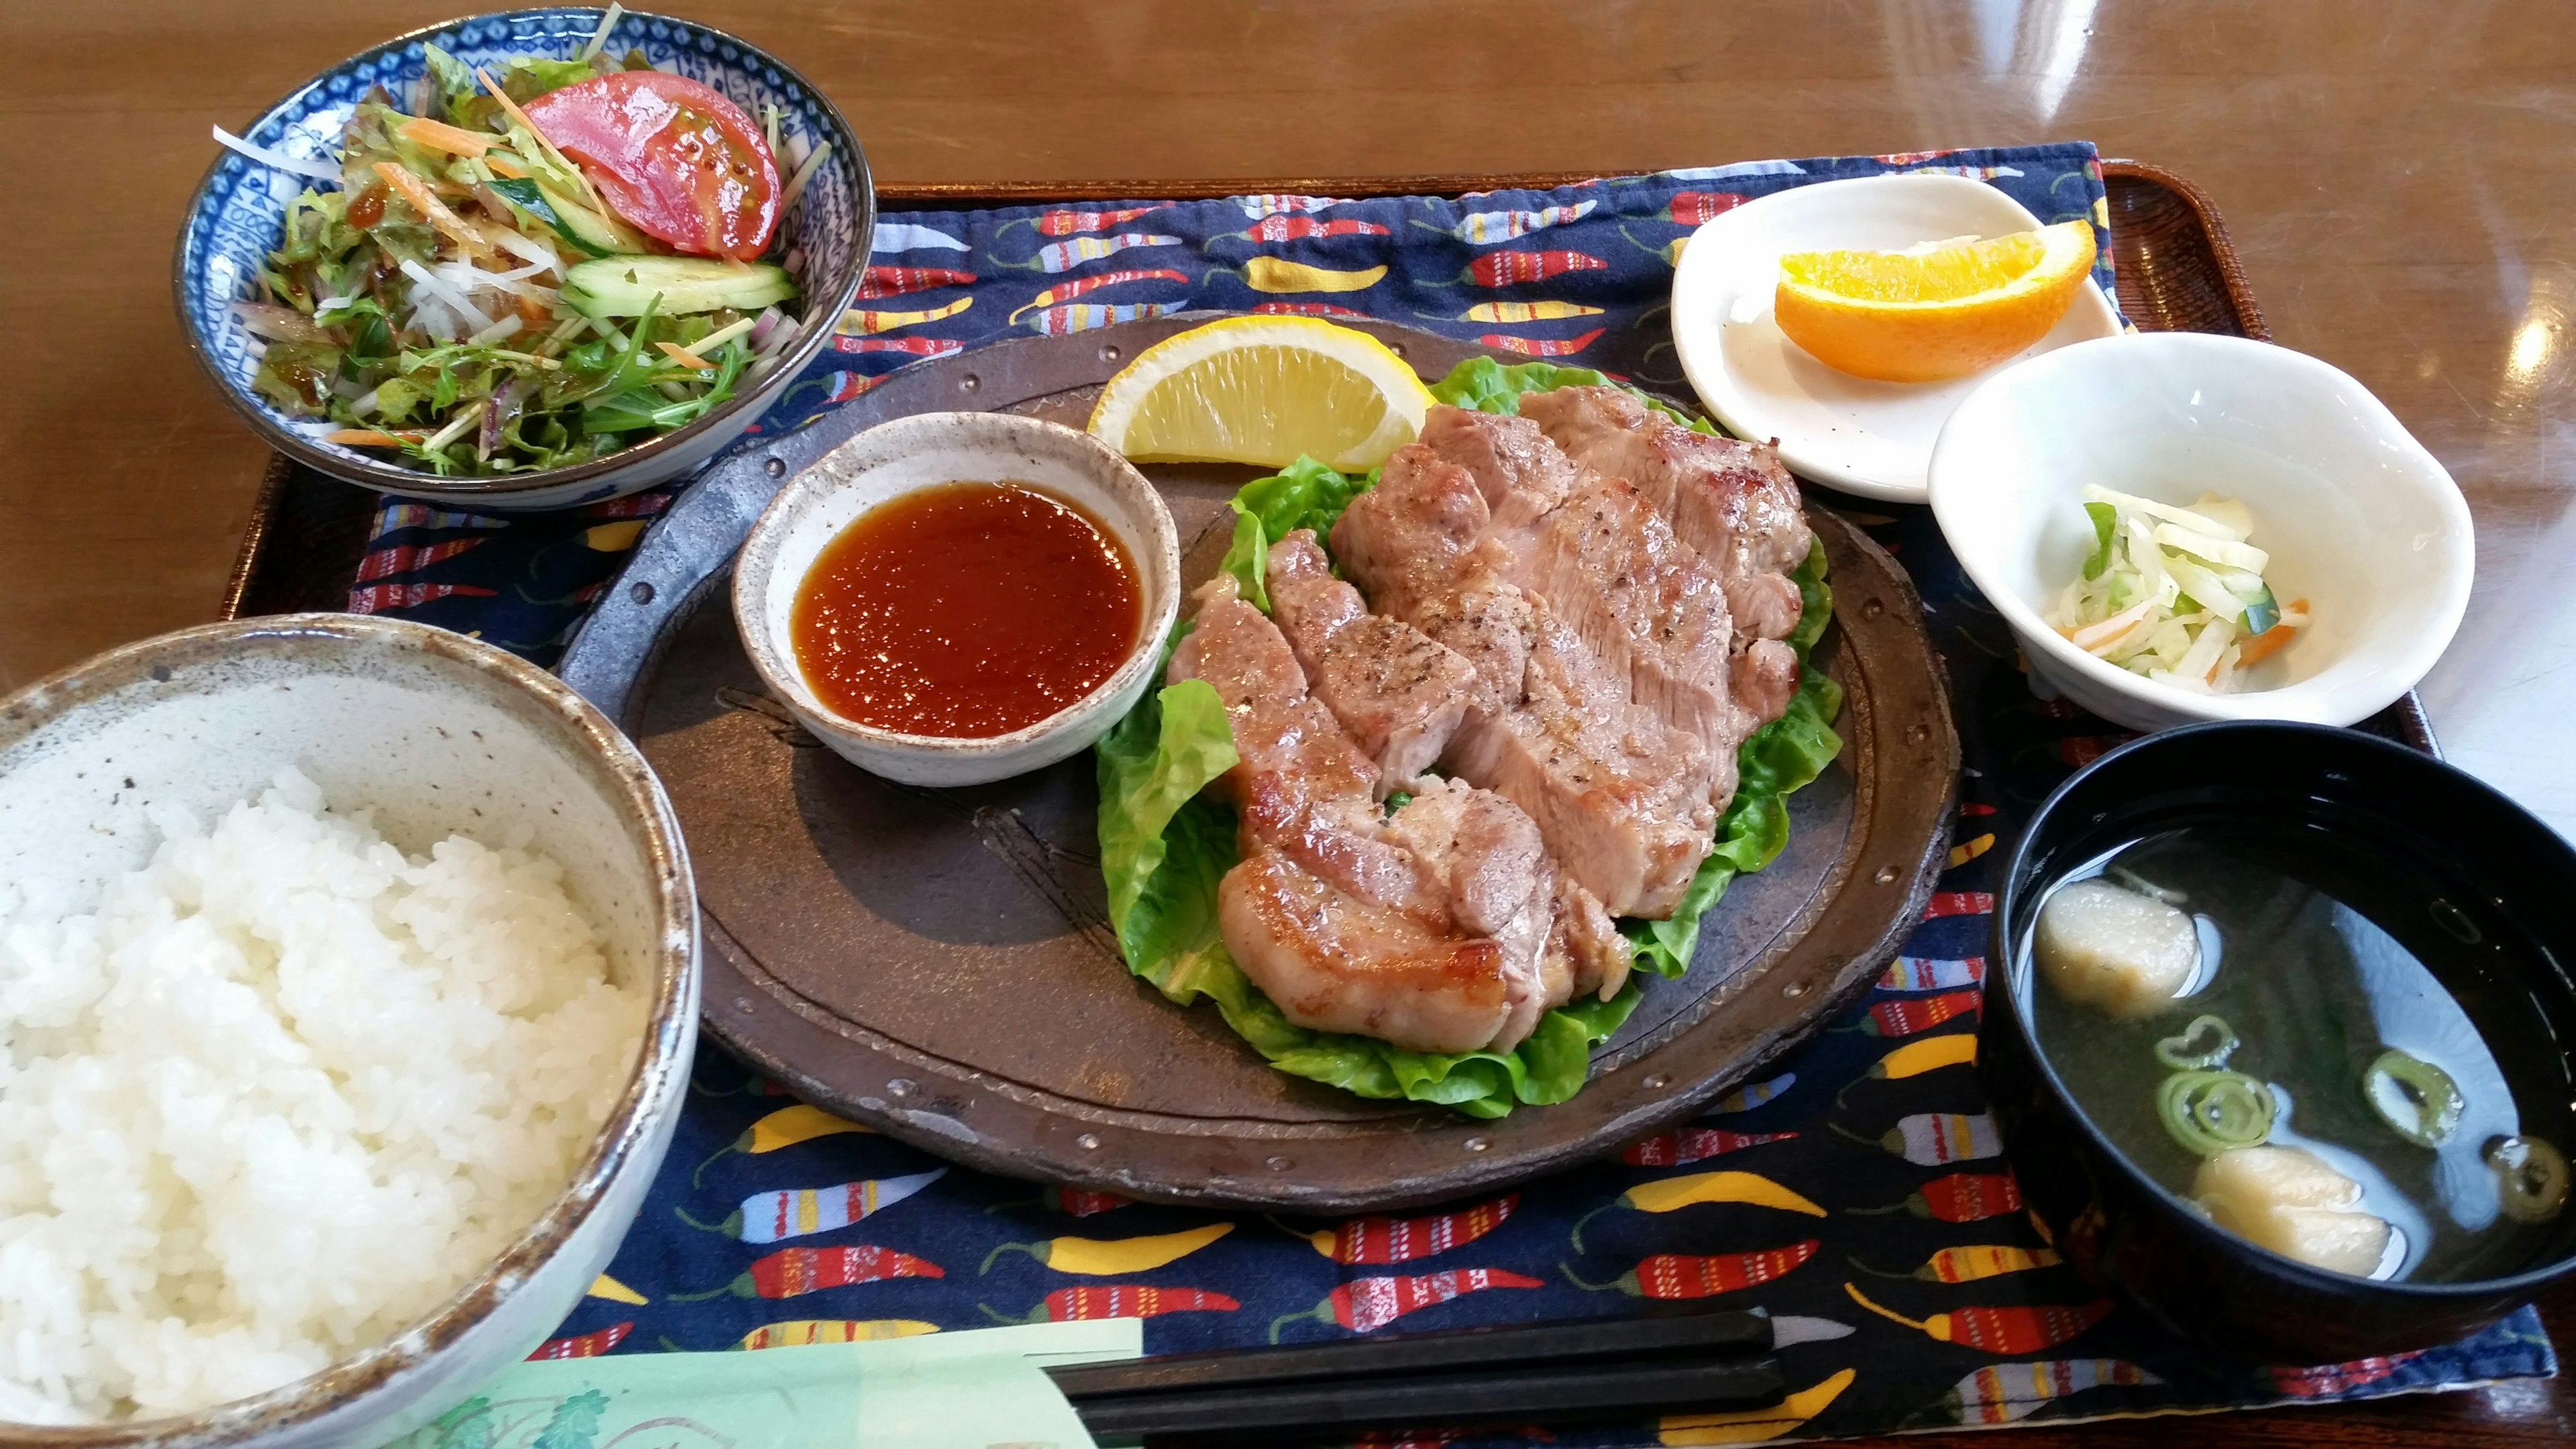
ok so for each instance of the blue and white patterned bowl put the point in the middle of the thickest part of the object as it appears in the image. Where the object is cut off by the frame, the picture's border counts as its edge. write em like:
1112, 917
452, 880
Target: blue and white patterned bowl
240, 209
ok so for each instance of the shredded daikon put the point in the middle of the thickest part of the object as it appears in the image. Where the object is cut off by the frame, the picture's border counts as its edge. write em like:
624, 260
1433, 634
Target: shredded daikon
804, 173
292, 165
446, 293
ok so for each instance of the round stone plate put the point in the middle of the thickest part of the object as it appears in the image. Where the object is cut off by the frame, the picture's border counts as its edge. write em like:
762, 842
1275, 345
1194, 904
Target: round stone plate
936, 963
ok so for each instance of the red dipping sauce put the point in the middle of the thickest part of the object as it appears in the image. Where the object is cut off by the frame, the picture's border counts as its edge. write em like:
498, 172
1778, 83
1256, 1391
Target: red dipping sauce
967, 611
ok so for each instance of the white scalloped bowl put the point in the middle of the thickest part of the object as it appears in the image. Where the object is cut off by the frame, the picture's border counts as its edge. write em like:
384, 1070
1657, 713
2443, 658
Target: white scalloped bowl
2358, 517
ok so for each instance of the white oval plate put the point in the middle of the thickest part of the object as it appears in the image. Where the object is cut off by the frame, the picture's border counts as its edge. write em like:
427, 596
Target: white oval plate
1870, 438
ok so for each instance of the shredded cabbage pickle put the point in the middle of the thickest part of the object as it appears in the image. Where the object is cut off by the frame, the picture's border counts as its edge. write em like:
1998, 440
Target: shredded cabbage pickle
2175, 593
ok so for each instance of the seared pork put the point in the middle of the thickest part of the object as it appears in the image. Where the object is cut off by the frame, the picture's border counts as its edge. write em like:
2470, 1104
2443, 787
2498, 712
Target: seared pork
1608, 562
1501, 883
1624, 802
1332, 961
1596, 956
1426, 928
1398, 693
1732, 501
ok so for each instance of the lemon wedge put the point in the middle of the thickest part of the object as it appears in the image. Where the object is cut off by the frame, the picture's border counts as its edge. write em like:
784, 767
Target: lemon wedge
1263, 390
1935, 312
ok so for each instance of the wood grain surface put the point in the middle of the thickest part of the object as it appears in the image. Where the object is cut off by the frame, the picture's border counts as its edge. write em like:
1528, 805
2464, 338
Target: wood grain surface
2396, 177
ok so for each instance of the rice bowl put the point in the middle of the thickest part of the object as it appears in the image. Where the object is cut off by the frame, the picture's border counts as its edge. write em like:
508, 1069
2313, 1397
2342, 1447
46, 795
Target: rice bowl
312, 1115
273, 1051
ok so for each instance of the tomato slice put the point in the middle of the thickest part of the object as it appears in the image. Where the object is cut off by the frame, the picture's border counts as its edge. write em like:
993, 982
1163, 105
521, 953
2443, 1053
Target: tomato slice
671, 156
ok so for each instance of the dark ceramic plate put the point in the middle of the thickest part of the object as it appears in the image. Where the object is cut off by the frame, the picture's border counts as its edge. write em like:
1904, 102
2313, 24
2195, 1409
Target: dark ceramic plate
936, 963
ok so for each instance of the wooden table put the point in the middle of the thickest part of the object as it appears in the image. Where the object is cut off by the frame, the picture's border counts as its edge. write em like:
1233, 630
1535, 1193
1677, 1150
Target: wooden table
2396, 177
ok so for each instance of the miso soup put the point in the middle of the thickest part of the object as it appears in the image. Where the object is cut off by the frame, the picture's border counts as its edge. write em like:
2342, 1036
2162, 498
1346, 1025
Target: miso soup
2322, 1050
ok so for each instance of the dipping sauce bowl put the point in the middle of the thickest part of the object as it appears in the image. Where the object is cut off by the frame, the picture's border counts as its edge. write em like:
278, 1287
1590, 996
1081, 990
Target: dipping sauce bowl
903, 458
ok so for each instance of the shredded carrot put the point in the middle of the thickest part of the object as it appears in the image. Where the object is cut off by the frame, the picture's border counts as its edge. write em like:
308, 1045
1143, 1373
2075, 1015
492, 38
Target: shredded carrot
2268, 643
684, 356
553, 150
442, 136
504, 166
432, 210
363, 438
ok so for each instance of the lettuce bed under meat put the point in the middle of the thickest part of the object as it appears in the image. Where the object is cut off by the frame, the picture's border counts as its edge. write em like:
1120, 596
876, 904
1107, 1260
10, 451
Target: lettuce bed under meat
1164, 845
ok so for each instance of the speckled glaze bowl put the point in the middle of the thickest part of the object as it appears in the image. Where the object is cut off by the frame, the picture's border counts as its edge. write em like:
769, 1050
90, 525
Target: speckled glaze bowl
924, 451
435, 733
240, 208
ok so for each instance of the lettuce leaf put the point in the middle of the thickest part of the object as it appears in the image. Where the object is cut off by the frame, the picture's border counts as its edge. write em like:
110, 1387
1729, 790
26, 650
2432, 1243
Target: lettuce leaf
1307, 494
1495, 387
1164, 845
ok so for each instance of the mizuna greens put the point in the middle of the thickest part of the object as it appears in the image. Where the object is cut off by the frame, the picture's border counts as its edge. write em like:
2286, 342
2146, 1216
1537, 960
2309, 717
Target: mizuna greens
468, 299
1164, 844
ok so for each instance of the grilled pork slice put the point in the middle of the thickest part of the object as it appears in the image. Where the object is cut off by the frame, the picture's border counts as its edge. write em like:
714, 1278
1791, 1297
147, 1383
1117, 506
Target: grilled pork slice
1335, 962
1730, 500
1501, 883
1622, 799
1399, 693
1418, 928
1625, 803
1608, 563
1596, 957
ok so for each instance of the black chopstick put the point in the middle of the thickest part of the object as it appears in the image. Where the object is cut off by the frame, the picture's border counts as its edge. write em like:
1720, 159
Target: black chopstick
1494, 1395
1509, 1373
1699, 1335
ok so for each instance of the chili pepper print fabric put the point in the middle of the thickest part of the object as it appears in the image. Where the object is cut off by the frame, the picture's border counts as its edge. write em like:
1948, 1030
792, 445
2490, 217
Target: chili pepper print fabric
1856, 1190
1578, 274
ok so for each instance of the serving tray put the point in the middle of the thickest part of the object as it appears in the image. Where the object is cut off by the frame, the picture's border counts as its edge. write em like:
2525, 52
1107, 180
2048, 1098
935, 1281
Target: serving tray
937, 963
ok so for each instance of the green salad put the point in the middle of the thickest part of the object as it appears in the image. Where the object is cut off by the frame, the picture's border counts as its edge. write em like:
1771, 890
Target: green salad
1164, 844
529, 270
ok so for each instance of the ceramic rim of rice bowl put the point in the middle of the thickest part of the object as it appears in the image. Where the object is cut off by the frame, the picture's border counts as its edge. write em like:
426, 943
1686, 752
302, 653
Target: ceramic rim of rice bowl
316, 644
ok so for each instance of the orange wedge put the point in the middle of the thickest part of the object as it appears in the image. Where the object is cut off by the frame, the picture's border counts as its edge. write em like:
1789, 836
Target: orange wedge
1932, 312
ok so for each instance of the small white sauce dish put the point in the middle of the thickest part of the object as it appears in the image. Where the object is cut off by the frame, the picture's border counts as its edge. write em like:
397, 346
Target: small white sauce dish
927, 450
1851, 433
2359, 519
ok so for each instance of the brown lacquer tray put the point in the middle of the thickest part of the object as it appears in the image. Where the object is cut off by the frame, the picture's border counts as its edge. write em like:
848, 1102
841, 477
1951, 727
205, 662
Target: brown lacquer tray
937, 963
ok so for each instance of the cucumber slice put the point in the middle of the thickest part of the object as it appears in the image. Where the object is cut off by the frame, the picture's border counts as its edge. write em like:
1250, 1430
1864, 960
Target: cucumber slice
625, 286
598, 234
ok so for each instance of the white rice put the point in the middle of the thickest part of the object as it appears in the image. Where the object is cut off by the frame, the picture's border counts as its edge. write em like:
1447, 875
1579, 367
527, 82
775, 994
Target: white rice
275, 1096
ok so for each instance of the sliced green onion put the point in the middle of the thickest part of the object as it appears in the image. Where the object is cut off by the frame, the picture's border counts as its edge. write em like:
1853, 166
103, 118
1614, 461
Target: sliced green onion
2417, 1099
2531, 1178
2210, 1112
2207, 1042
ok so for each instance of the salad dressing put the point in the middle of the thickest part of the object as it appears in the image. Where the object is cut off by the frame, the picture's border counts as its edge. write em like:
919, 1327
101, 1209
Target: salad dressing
967, 610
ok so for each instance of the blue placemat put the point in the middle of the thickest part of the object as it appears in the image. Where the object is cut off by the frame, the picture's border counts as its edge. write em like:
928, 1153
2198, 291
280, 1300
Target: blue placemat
1873, 1215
